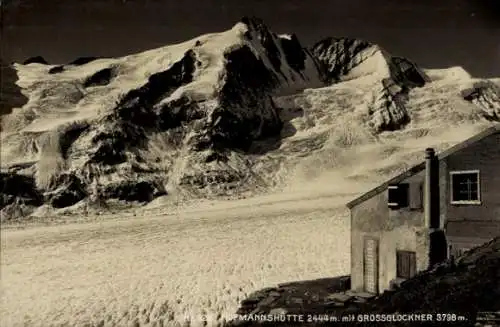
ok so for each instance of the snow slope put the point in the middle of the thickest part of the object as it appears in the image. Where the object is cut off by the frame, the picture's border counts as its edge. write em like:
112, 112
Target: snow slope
112, 122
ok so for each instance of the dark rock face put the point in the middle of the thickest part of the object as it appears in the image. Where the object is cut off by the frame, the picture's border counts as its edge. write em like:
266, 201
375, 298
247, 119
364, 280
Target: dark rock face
337, 56
210, 177
294, 53
246, 110
102, 77
162, 84
266, 38
69, 134
143, 191
486, 95
134, 114
15, 187
390, 106
178, 112
56, 70
35, 60
70, 190
11, 95
405, 76
405, 72
82, 61
111, 144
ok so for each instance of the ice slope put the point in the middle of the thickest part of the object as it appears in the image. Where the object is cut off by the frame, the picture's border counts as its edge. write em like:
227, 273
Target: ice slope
334, 139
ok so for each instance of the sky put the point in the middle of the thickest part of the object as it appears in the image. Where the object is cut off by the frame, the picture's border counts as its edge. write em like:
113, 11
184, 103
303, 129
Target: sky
433, 33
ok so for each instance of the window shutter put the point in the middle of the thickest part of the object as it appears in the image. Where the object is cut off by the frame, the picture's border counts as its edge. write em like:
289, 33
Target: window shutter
416, 194
406, 264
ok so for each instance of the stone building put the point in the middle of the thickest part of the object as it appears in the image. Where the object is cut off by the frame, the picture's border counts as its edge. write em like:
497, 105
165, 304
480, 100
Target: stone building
443, 206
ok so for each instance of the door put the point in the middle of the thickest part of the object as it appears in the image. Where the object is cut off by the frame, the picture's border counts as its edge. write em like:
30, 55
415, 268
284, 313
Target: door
370, 265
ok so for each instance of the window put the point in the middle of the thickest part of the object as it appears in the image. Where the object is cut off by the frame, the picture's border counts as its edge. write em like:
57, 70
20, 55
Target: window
465, 187
397, 196
406, 264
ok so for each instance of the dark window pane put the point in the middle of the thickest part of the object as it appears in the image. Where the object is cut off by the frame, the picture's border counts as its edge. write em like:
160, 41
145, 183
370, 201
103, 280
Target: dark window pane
398, 195
465, 187
404, 194
393, 194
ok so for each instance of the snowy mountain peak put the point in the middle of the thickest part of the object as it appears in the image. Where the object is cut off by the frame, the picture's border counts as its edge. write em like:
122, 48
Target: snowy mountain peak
196, 118
293, 66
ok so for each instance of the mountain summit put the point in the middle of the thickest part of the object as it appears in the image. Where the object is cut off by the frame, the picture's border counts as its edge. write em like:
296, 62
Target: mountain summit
196, 118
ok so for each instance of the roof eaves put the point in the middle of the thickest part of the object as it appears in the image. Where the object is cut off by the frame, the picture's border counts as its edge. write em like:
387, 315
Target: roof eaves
417, 168
410, 172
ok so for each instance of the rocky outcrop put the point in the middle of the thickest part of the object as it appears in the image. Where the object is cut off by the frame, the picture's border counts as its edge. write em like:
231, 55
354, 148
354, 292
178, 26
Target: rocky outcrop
18, 187
12, 97
82, 61
295, 54
486, 95
246, 111
294, 67
126, 127
99, 78
141, 191
293, 297
337, 57
56, 69
266, 38
18, 196
393, 77
346, 58
404, 72
387, 111
67, 190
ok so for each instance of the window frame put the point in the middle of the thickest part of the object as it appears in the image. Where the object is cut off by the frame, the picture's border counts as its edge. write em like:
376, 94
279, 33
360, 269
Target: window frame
463, 172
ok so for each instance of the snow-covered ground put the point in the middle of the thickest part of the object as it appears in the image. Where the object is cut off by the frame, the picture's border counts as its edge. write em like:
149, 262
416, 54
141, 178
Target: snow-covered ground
164, 269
